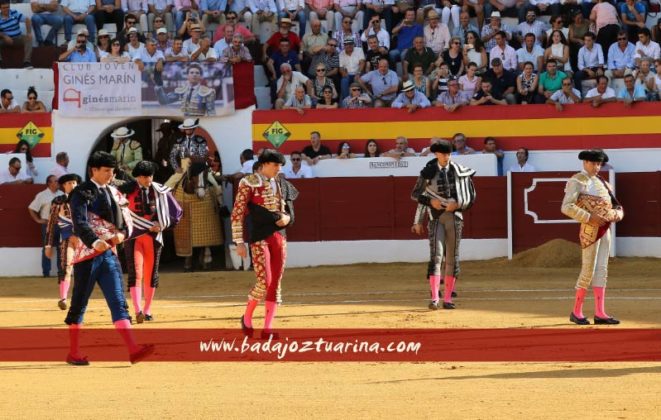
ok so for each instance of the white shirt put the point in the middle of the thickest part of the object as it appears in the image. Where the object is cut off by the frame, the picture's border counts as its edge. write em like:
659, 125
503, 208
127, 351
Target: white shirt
382, 36
304, 172
12, 105
58, 170
211, 53
170, 53
246, 168
525, 168
220, 46
297, 78
143, 55
610, 93
651, 50
190, 47
508, 57
41, 202
352, 62
438, 38
135, 52
291, 4
6, 177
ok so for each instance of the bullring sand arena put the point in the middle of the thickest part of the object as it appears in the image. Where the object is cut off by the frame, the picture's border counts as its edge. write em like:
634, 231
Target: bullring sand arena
534, 290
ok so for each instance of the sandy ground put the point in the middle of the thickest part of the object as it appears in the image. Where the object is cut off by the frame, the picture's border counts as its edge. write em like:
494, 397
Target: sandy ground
491, 294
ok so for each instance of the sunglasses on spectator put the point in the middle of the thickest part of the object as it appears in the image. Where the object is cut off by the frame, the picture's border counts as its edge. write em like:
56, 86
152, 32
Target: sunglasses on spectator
32, 97
355, 89
321, 70
621, 39
116, 44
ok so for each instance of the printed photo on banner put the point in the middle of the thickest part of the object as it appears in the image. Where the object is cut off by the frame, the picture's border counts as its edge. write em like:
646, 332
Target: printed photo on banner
188, 89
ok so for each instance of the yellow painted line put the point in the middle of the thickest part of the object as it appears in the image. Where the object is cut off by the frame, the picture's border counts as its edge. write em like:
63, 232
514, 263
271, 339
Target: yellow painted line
472, 128
8, 135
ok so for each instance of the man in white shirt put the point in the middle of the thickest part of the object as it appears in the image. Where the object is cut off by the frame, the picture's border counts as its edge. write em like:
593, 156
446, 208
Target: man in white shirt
176, 52
601, 94
503, 51
645, 47
297, 170
205, 52
352, 64
61, 164
590, 60
287, 83
522, 164
149, 54
13, 174
437, 35
39, 210
7, 102
193, 43
565, 96
530, 51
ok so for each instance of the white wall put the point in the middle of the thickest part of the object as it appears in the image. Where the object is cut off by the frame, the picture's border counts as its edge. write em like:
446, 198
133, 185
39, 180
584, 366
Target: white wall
622, 160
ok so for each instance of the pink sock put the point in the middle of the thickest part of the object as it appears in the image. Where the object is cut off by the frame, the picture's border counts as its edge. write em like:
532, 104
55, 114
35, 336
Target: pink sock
434, 285
270, 314
123, 327
599, 302
136, 297
149, 296
74, 340
578, 302
250, 309
448, 288
64, 289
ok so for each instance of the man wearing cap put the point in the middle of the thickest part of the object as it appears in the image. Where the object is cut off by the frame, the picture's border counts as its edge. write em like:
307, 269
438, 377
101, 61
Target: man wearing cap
410, 98
589, 200
495, 26
78, 12
383, 84
95, 203
260, 195
446, 189
196, 98
356, 98
82, 32
79, 53
109, 11
153, 210
352, 65
262, 11
283, 32
193, 43
293, 10
58, 232
127, 152
44, 12
163, 42
189, 145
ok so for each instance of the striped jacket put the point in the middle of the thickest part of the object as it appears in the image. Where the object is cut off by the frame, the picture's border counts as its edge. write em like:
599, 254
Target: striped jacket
463, 190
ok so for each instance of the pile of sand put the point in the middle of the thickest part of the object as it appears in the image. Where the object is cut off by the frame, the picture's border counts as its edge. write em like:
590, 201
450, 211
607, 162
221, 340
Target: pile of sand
555, 253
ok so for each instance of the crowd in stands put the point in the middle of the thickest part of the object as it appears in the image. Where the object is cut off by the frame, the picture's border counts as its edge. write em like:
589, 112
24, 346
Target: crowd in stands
9, 104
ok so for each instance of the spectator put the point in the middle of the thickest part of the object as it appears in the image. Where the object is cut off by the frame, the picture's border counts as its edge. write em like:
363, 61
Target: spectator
474, 52
606, 20
406, 32
645, 47
109, 11
244, 14
522, 164
33, 104
601, 94
213, 11
654, 85
383, 84
346, 31
160, 12
323, 9
450, 8
191, 20
224, 42
163, 41
503, 81
7, 102
656, 31
427, 150
135, 47
76, 12
85, 34
204, 52
437, 35
44, 12
410, 98
590, 61
508, 8
526, 85
558, 50
401, 149
543, 7
11, 35
263, 11
130, 22
356, 98
150, 55
39, 210
79, 53
375, 29
321, 82
372, 149
299, 101
557, 24
331, 59
532, 52
102, 42
564, 96
491, 148
344, 151
380, 8
504, 52
420, 54
297, 171
352, 65
157, 24
551, 80
459, 144
186, 13
127, 151
439, 79
24, 147
176, 52
495, 26
293, 10
283, 32
631, 92
345, 10
420, 81
13, 174
374, 53
485, 97
453, 98
315, 151
465, 26
620, 57
138, 9
577, 29
287, 83
247, 159
193, 43
282, 56
314, 46
477, 6
454, 57
532, 25
237, 52
61, 165
633, 14
232, 21
327, 100
116, 55
470, 81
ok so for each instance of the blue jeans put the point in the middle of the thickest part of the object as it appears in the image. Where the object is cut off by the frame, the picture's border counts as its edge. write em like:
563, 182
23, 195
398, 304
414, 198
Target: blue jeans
45, 261
54, 21
89, 22
302, 20
105, 270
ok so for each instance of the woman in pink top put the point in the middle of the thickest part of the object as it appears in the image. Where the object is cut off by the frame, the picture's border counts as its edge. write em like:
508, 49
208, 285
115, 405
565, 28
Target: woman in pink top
604, 16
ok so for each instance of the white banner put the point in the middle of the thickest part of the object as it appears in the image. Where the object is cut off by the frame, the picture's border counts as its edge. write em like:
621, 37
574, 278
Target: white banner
99, 89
